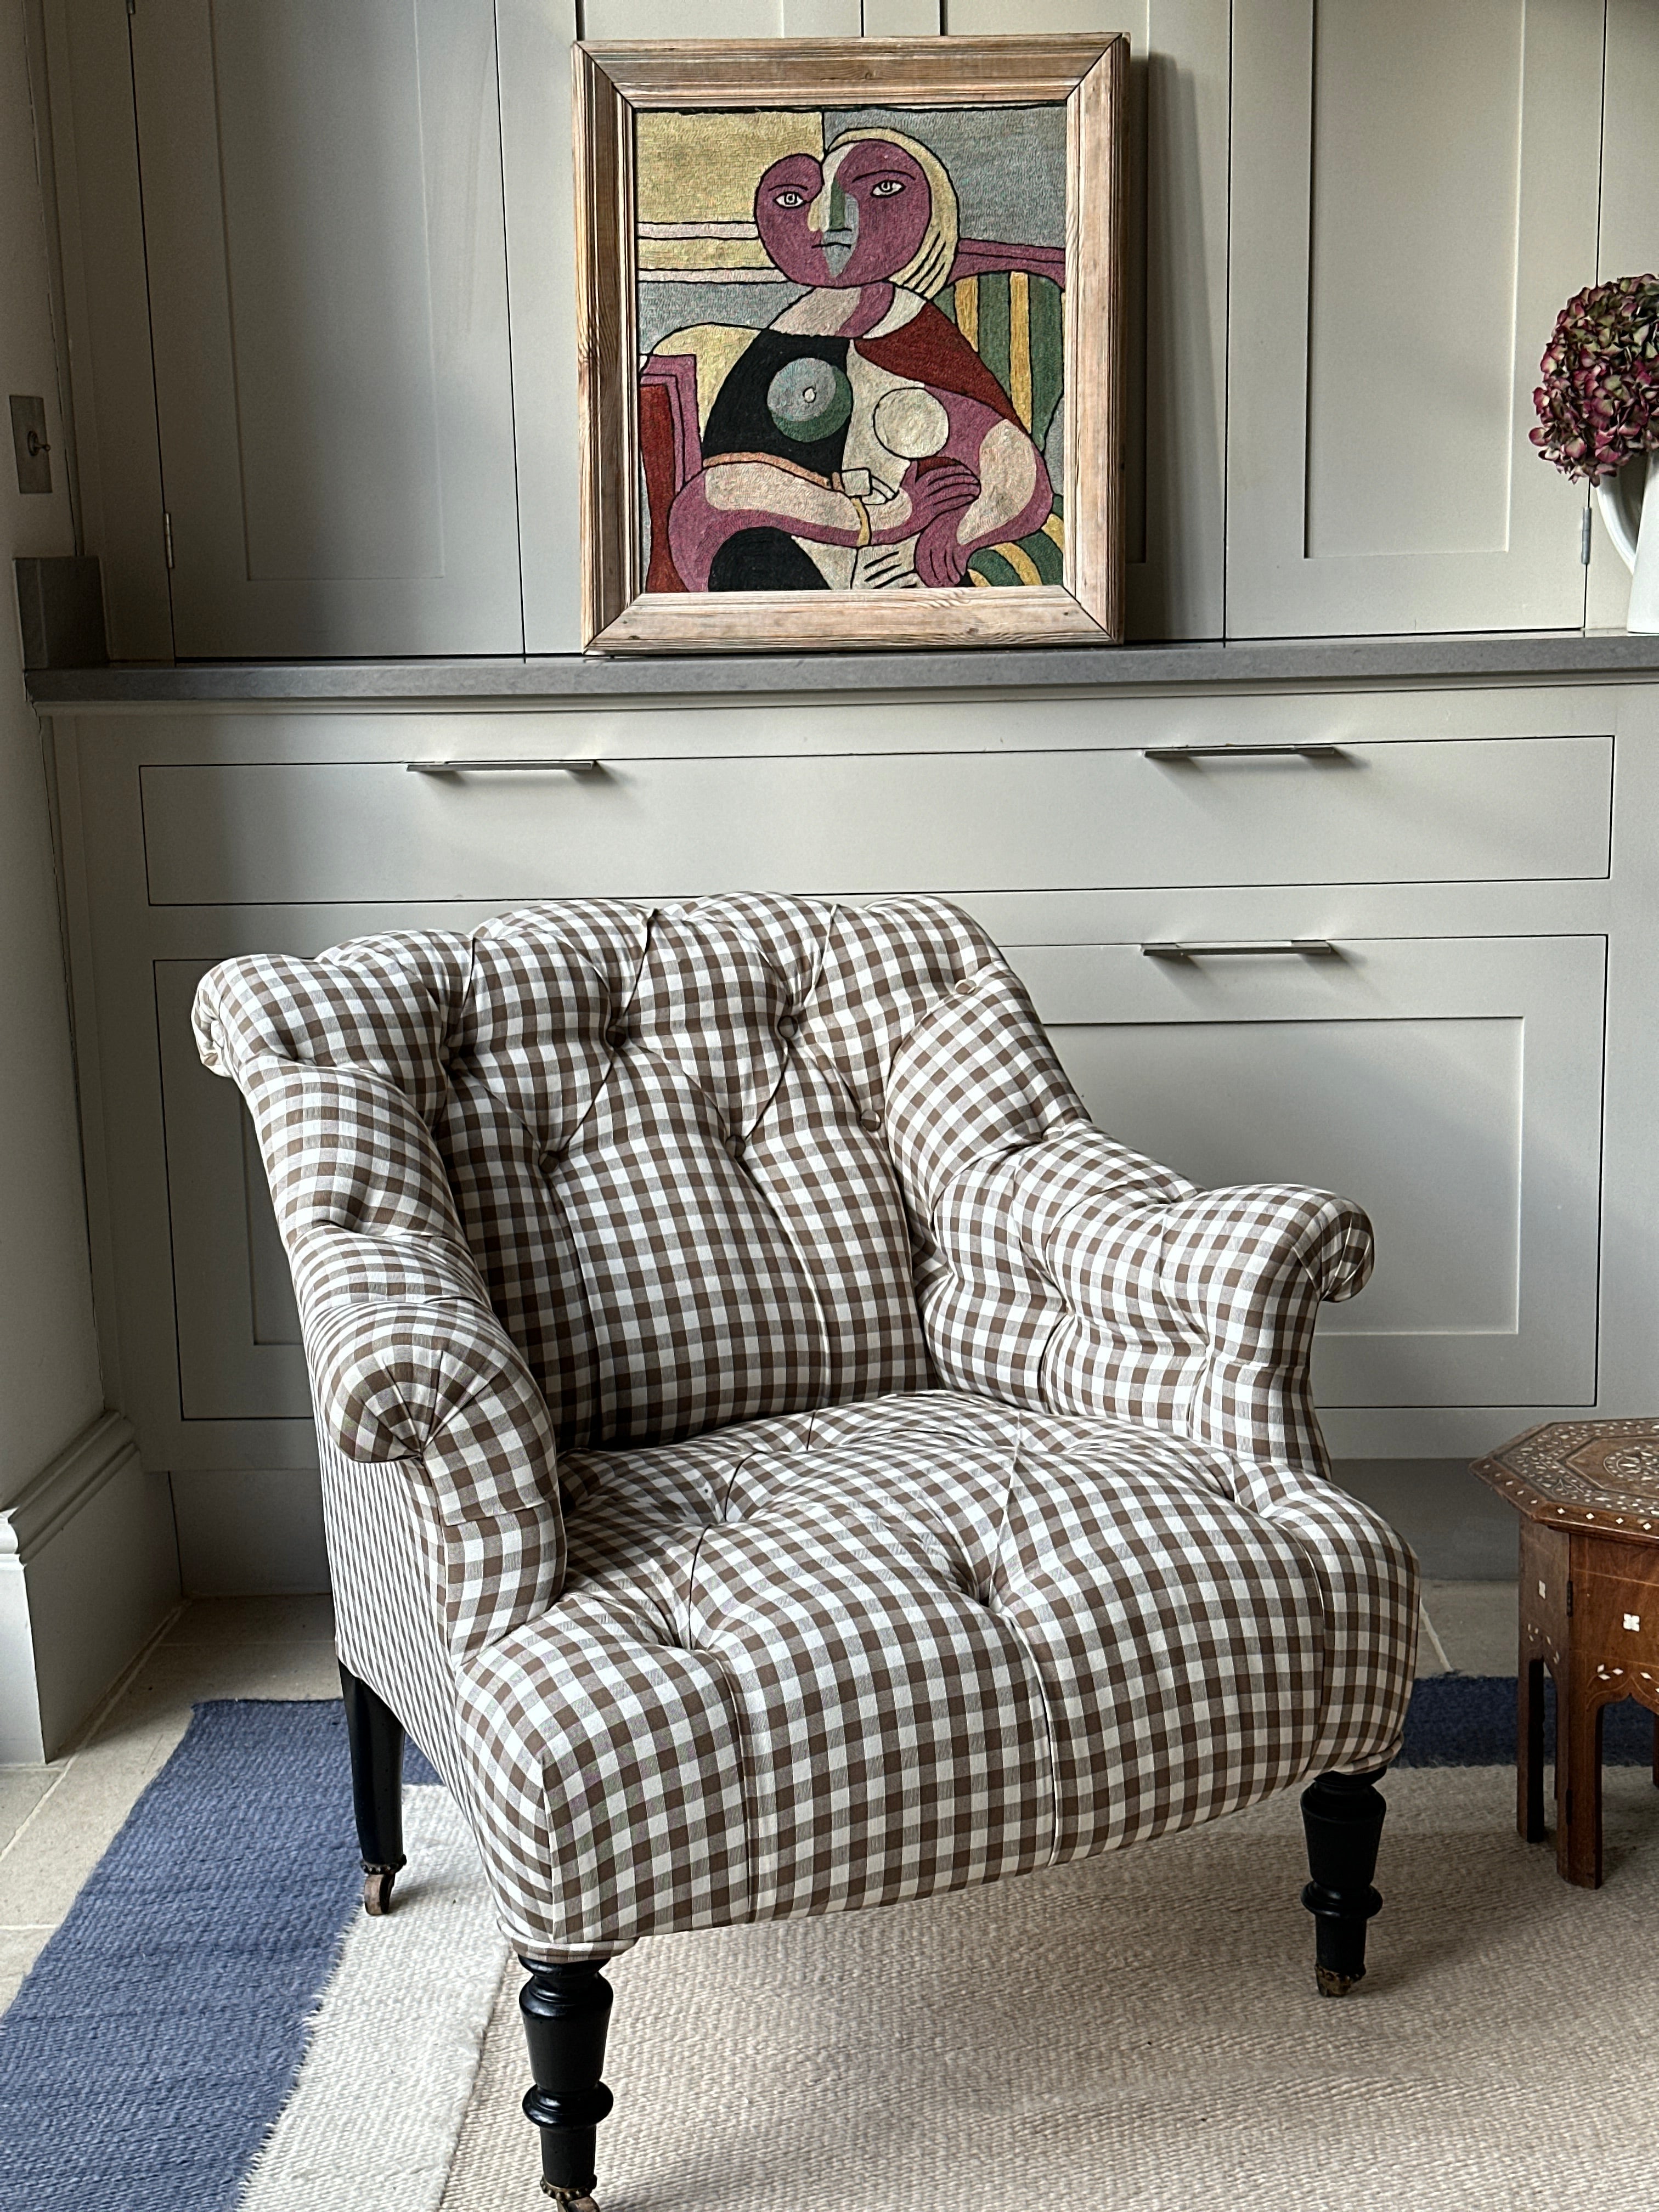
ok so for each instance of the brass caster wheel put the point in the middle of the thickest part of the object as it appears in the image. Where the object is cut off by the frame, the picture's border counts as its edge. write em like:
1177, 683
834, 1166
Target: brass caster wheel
1332, 1985
377, 1890
570, 2203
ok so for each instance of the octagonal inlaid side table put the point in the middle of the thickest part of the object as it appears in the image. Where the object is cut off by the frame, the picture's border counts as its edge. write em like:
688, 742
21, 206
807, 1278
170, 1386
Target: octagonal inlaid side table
1589, 1496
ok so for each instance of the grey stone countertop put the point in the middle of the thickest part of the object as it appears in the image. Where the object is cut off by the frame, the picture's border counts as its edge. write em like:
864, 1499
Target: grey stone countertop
1535, 656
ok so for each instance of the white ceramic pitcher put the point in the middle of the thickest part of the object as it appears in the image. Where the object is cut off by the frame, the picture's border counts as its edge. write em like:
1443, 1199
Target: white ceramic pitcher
1636, 536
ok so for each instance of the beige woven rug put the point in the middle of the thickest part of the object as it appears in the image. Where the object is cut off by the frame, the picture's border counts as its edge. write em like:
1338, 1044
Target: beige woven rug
1141, 2034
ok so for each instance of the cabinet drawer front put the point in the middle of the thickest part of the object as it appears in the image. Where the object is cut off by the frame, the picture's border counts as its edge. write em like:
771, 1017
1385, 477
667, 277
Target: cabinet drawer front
1412, 811
1452, 1086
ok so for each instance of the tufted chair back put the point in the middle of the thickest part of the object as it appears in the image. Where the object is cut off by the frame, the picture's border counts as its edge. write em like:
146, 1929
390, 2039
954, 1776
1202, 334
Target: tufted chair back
694, 1151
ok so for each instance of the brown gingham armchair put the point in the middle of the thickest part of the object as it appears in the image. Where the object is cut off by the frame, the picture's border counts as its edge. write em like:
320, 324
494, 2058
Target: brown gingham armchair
779, 1456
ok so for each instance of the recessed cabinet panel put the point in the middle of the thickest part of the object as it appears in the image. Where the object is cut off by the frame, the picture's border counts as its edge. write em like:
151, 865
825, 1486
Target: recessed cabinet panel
1460, 810
324, 228
1451, 1086
1414, 194
1628, 239
1405, 305
1175, 287
239, 1356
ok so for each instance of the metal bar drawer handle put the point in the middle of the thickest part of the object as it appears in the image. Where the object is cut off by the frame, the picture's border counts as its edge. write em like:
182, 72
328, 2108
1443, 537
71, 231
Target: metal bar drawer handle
1306, 948
1320, 752
501, 766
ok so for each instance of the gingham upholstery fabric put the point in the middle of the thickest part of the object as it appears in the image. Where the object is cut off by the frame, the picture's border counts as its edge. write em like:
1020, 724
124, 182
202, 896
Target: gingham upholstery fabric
778, 1455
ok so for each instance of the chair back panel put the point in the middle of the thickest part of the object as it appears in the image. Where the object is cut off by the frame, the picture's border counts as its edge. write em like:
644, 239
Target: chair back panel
667, 1134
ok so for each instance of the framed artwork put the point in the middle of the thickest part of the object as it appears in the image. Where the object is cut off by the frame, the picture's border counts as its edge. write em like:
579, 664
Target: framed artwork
850, 318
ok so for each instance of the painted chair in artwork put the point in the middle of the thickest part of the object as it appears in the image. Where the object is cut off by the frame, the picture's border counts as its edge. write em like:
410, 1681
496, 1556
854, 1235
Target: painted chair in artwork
780, 1457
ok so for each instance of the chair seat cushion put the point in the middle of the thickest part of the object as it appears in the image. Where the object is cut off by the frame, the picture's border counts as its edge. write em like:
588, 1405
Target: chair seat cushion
846, 1657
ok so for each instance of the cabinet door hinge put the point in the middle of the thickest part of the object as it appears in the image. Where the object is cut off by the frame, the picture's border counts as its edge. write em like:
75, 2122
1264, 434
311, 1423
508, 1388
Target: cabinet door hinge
1569, 1600
167, 532
1583, 530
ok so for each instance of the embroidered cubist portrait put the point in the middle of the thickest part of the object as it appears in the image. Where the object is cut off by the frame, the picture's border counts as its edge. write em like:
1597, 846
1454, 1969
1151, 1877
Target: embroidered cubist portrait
851, 329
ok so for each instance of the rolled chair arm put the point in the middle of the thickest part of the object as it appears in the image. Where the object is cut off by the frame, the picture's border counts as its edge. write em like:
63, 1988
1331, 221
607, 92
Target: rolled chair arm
1233, 1264
1078, 1275
1223, 1288
409, 1363
342, 1061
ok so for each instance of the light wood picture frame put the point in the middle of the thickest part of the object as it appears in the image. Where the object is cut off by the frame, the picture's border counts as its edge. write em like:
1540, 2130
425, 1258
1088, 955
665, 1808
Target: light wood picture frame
709, 113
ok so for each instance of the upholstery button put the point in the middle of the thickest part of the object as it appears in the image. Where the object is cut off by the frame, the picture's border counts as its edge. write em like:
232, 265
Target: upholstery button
787, 1027
616, 1036
871, 1121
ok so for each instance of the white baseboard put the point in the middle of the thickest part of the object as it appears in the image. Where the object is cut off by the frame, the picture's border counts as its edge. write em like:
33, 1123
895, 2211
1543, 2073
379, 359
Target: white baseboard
89, 1568
250, 1534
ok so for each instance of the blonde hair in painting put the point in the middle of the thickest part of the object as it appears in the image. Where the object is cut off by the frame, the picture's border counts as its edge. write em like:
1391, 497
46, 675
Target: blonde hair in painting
929, 266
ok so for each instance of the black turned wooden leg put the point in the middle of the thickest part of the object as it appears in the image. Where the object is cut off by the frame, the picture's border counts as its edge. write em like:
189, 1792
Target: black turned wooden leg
1342, 1815
376, 1737
566, 2012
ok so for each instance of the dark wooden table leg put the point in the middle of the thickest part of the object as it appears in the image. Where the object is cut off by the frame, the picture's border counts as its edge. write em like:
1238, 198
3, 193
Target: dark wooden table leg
1544, 1632
1529, 1750
1578, 1776
1656, 1751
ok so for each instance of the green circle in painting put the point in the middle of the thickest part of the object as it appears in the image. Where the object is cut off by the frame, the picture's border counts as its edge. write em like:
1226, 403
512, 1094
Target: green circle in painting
809, 399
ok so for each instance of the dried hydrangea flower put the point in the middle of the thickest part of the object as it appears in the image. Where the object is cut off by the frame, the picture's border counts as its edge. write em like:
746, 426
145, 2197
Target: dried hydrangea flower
1598, 405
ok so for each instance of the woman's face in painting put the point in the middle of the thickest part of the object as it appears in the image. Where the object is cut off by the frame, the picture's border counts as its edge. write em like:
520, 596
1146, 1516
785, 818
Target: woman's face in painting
855, 219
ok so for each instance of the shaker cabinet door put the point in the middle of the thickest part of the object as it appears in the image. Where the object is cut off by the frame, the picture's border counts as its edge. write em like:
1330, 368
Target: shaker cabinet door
1175, 289
1414, 195
1451, 1086
323, 227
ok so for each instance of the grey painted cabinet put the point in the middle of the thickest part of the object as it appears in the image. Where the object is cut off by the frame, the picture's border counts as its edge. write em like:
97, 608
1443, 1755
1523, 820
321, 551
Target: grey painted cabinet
324, 232
1351, 225
1414, 194
1482, 862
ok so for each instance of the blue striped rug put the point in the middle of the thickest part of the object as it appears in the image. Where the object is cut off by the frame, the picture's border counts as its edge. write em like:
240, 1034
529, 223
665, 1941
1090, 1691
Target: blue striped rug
143, 2060
148, 2056
1468, 1720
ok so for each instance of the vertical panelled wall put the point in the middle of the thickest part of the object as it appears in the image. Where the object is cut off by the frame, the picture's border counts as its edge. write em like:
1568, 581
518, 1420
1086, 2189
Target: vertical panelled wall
339, 419
1415, 192
1353, 223
322, 189
1629, 242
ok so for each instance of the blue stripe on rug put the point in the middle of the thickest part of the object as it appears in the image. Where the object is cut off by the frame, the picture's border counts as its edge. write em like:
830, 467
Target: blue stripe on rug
145, 2059
1468, 1720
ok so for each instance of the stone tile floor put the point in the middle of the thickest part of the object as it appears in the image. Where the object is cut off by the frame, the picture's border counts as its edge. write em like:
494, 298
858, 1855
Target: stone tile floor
56, 1821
